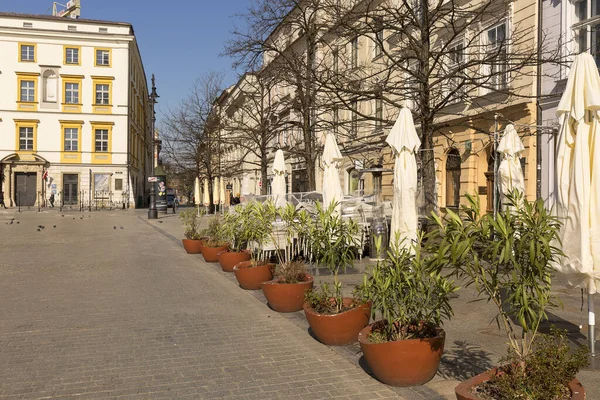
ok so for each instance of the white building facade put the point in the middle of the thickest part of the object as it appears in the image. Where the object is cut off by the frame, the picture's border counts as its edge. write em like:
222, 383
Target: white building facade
74, 113
572, 27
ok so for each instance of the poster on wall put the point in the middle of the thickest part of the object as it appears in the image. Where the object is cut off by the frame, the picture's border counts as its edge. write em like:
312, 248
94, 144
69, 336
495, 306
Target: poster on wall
161, 193
101, 185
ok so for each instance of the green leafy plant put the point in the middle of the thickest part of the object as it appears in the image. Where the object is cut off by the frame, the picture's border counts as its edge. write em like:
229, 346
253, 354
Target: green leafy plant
333, 244
287, 218
548, 368
191, 223
215, 233
508, 259
409, 293
235, 227
260, 225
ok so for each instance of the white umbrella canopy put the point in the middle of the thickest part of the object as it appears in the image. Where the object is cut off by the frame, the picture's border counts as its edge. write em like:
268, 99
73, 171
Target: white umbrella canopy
510, 171
578, 180
206, 197
222, 191
405, 142
278, 184
332, 188
578, 174
197, 191
216, 191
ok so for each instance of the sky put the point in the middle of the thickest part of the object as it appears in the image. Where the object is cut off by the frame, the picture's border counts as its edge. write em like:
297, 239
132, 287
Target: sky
180, 40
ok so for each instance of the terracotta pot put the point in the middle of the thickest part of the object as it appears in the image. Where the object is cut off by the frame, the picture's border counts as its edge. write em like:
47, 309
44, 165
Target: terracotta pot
211, 253
230, 259
463, 389
192, 246
251, 278
408, 362
286, 297
339, 329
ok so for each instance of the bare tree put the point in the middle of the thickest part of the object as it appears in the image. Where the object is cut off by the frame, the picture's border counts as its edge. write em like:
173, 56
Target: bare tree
452, 62
281, 40
251, 123
191, 132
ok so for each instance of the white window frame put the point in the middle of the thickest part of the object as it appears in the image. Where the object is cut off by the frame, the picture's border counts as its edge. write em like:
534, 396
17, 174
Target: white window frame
26, 138
451, 84
72, 93
487, 69
585, 24
29, 53
72, 58
29, 88
104, 59
103, 140
102, 96
71, 136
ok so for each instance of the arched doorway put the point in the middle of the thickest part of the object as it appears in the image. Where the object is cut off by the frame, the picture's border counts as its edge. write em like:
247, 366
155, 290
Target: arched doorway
453, 169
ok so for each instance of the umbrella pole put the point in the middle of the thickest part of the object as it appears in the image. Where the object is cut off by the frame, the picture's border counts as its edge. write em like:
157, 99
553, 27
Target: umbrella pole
591, 325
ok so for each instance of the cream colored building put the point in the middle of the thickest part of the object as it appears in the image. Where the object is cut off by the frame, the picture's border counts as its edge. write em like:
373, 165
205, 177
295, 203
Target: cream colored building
466, 129
75, 117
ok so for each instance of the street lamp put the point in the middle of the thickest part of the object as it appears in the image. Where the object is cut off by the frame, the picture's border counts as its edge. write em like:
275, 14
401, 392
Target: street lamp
152, 211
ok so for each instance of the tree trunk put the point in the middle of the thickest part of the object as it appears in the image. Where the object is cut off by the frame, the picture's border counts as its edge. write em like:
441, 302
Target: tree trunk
263, 174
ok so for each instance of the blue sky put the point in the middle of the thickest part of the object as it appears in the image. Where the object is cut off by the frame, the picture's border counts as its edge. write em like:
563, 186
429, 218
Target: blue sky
180, 40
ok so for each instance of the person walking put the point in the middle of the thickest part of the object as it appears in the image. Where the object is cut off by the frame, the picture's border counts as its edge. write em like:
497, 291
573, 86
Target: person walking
2, 200
52, 200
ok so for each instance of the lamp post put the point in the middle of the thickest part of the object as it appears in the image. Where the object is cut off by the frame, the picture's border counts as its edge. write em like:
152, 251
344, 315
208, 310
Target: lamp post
152, 211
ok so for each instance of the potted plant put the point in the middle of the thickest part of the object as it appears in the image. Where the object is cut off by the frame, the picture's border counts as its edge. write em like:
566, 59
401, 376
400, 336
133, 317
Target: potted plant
235, 230
193, 238
251, 274
334, 319
215, 242
508, 259
411, 296
285, 293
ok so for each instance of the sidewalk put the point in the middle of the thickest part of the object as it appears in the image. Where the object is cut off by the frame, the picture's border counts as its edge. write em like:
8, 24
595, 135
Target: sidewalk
473, 341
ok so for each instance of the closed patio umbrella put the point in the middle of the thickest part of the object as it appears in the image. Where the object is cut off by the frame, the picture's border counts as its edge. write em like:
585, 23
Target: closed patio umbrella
197, 200
278, 184
332, 188
510, 171
221, 191
578, 180
206, 198
405, 142
216, 191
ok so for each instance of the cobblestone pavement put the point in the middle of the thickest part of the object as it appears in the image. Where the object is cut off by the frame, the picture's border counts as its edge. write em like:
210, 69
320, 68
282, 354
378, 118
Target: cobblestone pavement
92, 310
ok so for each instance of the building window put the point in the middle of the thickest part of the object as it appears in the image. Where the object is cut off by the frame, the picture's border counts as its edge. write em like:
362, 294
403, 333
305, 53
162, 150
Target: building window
354, 53
378, 113
71, 139
118, 184
353, 182
453, 162
102, 57
336, 119
336, 61
101, 140
71, 93
497, 43
26, 138
72, 55
354, 120
586, 27
27, 52
453, 88
378, 49
102, 94
27, 91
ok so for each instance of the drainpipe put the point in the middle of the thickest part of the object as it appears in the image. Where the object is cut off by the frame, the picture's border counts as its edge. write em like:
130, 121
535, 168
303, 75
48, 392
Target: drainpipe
539, 121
